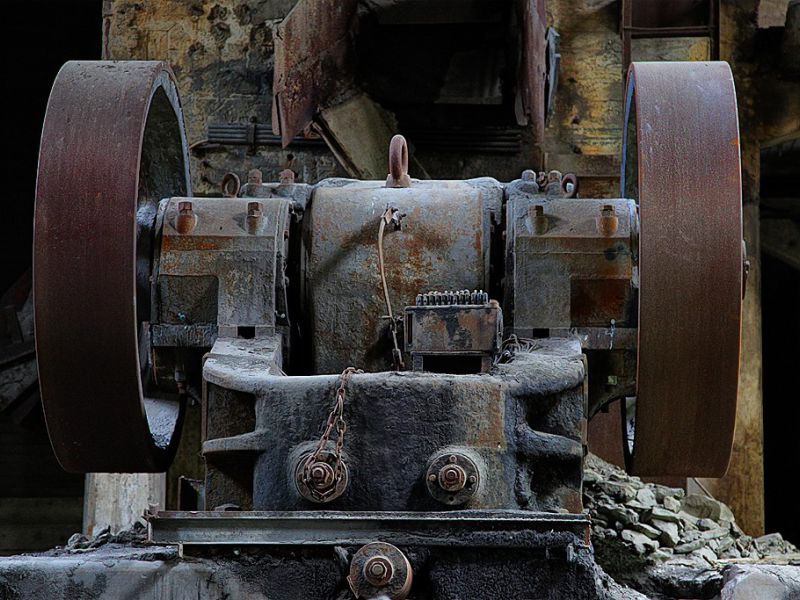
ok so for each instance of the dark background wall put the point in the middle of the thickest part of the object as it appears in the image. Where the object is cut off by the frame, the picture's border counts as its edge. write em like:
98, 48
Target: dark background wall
38, 37
40, 504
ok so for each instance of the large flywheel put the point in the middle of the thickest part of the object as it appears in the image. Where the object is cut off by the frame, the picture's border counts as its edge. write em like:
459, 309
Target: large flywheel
681, 163
112, 147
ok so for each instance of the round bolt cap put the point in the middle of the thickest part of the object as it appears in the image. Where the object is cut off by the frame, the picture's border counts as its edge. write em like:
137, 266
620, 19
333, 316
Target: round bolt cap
380, 570
318, 482
452, 478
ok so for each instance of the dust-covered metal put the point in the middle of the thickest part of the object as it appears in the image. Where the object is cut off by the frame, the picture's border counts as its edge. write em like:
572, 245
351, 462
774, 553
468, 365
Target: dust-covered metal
681, 163
380, 570
322, 475
451, 529
456, 332
113, 145
453, 476
443, 242
313, 59
521, 425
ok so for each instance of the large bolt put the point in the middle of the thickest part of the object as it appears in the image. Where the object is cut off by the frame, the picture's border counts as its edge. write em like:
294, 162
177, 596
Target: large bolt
552, 188
323, 480
253, 216
286, 177
539, 220
378, 570
607, 222
186, 220
321, 476
255, 177
452, 478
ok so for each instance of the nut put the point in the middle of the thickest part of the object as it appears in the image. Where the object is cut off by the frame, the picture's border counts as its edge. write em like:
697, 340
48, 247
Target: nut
378, 570
452, 478
186, 220
607, 222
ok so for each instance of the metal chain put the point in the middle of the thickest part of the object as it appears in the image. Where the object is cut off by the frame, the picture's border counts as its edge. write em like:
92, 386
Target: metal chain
335, 421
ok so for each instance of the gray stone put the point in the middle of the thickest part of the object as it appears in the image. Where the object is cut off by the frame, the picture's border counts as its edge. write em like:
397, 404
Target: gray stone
619, 491
663, 491
662, 554
661, 514
706, 554
668, 532
646, 529
715, 534
620, 514
703, 507
690, 536
590, 477
731, 552
723, 545
641, 543
772, 543
637, 506
760, 582
705, 524
646, 497
688, 547
672, 503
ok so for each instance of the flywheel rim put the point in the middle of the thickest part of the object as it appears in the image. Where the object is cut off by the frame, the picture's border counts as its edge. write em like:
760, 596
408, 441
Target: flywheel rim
681, 163
113, 145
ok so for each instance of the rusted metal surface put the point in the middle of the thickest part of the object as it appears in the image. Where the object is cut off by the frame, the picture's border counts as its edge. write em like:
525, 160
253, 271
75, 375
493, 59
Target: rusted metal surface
453, 477
531, 79
681, 163
398, 163
522, 425
443, 242
678, 18
113, 145
238, 246
577, 255
380, 570
452, 334
313, 60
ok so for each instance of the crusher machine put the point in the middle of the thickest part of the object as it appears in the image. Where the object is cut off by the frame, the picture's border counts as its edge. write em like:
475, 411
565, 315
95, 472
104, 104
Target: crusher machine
395, 376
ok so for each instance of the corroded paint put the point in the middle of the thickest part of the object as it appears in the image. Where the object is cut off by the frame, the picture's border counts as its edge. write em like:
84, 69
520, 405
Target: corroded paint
222, 55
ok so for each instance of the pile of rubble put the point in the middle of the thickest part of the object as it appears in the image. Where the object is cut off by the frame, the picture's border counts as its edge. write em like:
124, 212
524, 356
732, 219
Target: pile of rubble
664, 542
135, 536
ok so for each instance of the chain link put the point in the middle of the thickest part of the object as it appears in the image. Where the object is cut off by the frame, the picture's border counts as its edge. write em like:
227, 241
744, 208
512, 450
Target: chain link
335, 421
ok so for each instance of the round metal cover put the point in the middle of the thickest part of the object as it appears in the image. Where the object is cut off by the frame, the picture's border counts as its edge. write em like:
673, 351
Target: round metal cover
380, 570
113, 145
681, 164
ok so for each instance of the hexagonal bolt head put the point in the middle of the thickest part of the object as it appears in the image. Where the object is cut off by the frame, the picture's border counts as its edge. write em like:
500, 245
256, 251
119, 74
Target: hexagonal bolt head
607, 222
186, 220
378, 570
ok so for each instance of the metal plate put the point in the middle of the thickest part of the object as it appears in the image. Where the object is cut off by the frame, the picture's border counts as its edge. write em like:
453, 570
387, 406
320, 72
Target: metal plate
681, 163
113, 145
458, 528
313, 60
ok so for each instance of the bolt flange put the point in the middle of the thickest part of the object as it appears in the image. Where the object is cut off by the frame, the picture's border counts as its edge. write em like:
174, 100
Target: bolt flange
380, 570
452, 478
318, 482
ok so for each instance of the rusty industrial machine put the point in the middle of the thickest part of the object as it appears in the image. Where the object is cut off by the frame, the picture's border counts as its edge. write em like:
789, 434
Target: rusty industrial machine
395, 375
